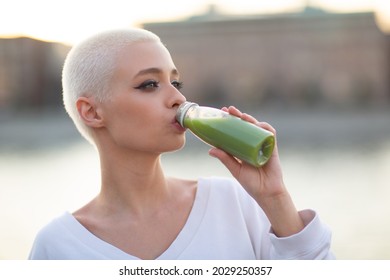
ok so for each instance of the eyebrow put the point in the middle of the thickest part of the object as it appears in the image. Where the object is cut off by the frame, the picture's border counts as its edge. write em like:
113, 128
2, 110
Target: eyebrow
155, 70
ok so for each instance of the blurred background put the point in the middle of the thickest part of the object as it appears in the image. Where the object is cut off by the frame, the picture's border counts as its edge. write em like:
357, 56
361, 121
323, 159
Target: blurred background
318, 71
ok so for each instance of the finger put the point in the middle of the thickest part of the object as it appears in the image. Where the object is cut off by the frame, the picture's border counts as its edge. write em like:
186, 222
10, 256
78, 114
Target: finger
234, 111
246, 117
267, 126
249, 118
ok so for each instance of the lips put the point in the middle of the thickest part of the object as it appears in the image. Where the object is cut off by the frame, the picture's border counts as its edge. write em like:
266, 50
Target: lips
177, 125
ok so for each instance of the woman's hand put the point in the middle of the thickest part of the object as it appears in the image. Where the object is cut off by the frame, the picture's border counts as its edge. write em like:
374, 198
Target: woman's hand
262, 182
265, 184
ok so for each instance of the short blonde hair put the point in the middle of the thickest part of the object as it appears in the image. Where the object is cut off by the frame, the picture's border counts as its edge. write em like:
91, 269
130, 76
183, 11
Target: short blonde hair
89, 67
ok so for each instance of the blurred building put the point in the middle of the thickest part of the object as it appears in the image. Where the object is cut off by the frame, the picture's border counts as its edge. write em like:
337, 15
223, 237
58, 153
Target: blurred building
303, 59
30, 73
311, 58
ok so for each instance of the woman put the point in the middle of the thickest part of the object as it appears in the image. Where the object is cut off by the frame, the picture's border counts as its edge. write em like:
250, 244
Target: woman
122, 90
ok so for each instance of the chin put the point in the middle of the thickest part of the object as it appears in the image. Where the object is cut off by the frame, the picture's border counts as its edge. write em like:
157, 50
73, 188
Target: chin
176, 146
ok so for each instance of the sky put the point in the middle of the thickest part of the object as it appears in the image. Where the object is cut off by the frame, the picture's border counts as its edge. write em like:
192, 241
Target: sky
69, 21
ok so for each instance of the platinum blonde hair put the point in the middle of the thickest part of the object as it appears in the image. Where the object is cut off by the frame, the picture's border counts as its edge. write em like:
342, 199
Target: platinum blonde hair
89, 68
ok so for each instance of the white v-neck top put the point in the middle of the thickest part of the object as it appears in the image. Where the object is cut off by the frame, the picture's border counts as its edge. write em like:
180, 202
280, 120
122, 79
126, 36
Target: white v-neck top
224, 223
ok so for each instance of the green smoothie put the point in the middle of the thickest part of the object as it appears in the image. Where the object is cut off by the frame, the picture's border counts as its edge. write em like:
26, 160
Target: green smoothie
235, 136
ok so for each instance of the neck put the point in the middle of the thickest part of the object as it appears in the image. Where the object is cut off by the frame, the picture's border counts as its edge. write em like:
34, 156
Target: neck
132, 181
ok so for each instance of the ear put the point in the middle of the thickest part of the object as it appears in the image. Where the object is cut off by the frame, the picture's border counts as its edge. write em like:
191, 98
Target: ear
88, 112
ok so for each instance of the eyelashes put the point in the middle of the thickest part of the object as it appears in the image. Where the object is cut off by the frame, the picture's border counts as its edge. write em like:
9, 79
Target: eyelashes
178, 85
151, 85
148, 85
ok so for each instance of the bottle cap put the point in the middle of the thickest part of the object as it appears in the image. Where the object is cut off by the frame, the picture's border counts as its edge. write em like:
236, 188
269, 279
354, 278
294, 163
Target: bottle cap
182, 110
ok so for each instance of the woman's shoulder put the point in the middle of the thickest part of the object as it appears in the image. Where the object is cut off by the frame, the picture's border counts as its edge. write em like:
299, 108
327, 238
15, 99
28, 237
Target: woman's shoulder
50, 236
228, 195
224, 188
220, 183
54, 227
218, 190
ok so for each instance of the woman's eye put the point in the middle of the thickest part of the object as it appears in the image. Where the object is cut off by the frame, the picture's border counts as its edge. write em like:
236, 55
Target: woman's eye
148, 85
178, 85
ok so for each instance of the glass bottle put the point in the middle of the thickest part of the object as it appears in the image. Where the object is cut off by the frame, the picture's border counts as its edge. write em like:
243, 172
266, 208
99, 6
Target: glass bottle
235, 136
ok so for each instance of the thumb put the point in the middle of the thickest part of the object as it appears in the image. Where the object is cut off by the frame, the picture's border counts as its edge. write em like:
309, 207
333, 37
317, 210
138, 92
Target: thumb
229, 161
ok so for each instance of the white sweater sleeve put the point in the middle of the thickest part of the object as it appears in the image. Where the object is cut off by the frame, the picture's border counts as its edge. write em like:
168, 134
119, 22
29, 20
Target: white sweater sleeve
313, 242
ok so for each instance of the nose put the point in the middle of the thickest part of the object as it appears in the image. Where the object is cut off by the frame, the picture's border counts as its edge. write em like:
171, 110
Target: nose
176, 98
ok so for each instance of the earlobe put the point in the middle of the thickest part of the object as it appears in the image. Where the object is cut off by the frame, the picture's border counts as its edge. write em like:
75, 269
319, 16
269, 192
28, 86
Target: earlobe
88, 112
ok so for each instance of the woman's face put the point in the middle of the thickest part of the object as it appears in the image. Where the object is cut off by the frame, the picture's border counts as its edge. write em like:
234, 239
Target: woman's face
145, 95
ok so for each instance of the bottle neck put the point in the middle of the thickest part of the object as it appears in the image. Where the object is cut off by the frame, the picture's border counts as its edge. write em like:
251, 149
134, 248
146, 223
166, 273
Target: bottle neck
182, 111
